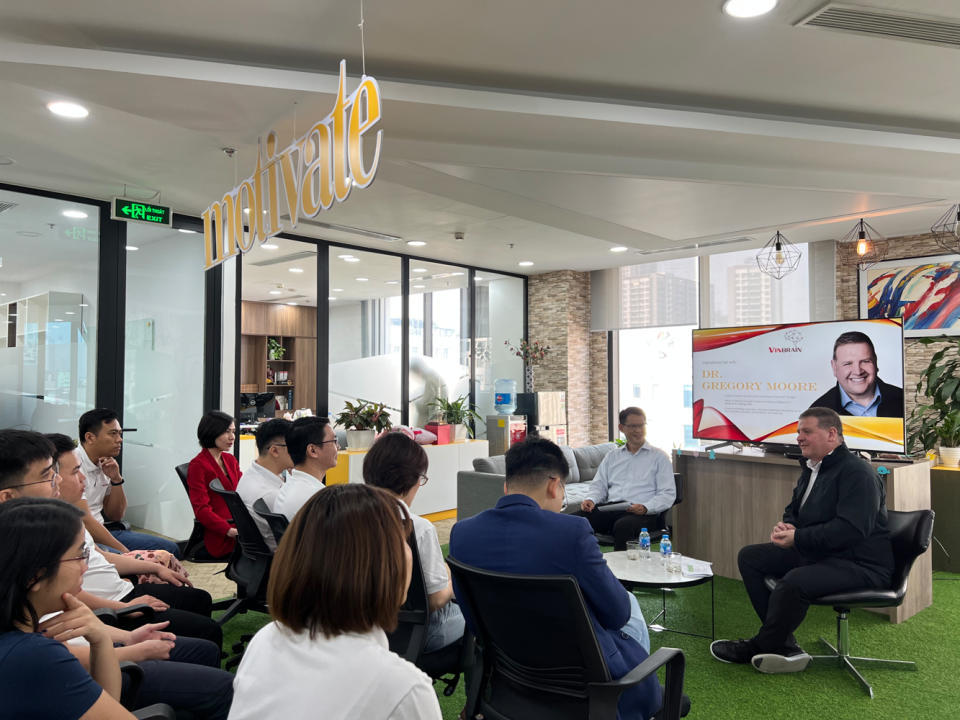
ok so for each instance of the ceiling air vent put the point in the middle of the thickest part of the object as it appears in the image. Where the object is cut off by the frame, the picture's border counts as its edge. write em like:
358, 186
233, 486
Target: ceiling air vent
4, 205
893, 24
302, 255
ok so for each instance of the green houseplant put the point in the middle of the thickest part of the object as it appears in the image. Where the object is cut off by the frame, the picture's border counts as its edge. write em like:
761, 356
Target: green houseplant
936, 416
275, 349
457, 412
363, 421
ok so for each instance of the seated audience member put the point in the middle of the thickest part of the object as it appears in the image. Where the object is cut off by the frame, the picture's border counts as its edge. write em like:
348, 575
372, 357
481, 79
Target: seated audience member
326, 651
27, 469
526, 533
42, 557
101, 438
398, 464
263, 479
637, 473
312, 445
216, 433
832, 538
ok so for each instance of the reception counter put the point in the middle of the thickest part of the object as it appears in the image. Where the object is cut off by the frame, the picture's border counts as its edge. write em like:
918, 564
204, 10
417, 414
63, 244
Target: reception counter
436, 500
735, 499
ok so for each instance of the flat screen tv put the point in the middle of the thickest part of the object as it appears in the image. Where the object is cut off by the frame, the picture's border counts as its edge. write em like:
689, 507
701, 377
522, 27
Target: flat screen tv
750, 384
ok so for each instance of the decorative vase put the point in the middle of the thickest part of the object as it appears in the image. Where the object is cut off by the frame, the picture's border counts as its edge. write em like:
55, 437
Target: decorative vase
360, 439
950, 456
528, 379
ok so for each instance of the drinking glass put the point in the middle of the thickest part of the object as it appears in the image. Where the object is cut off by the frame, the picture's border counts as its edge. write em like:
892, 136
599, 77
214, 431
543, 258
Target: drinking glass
674, 563
633, 550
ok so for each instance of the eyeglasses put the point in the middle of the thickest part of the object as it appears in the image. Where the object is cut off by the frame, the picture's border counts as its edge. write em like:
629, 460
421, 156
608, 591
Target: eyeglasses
53, 478
335, 441
423, 479
278, 445
84, 555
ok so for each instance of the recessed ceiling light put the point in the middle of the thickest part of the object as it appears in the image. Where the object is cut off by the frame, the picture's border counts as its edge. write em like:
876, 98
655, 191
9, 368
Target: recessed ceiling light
70, 312
246, 211
74, 214
748, 8
68, 109
296, 270
336, 290
291, 303
419, 270
419, 287
270, 246
132, 248
525, 263
361, 279
58, 319
619, 248
276, 292
416, 243
332, 297
345, 256
84, 305
3, 294
456, 273
185, 231
351, 259
478, 278
393, 282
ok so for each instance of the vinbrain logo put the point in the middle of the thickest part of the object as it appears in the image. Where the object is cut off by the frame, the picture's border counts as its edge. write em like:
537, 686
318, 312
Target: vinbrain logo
794, 337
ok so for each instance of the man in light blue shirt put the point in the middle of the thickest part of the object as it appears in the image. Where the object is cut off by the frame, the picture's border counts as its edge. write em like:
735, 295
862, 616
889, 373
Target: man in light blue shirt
638, 474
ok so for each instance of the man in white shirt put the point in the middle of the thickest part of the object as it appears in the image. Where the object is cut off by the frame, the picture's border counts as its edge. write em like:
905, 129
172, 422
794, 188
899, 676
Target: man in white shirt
101, 439
313, 447
263, 479
636, 473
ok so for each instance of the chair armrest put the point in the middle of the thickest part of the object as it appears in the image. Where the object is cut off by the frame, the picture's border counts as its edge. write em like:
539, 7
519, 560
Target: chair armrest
132, 675
155, 712
112, 617
112, 525
605, 696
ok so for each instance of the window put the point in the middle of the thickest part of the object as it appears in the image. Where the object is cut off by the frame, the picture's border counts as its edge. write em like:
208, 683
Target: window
742, 295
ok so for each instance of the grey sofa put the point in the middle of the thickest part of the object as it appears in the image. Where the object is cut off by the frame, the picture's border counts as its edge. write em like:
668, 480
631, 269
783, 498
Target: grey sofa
480, 489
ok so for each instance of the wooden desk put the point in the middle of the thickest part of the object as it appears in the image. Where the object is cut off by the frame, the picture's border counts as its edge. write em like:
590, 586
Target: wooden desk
734, 500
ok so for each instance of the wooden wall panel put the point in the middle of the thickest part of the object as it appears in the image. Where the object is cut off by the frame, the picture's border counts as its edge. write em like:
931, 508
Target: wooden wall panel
305, 385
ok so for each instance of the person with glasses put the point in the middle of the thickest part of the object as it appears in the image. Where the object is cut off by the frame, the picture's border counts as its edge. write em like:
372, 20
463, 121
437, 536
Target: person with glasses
216, 433
313, 448
398, 464
265, 476
637, 474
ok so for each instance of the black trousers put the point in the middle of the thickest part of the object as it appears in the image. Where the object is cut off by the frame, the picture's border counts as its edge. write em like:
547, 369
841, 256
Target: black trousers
189, 612
782, 610
621, 524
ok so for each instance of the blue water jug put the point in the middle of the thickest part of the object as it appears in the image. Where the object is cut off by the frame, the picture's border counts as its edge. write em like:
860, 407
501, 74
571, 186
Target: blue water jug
505, 396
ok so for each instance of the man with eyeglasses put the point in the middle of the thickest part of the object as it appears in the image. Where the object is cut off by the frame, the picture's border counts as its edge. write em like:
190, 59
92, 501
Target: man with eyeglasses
637, 474
313, 447
264, 478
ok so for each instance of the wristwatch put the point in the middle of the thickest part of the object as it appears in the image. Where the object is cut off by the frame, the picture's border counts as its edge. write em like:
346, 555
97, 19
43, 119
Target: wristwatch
119, 483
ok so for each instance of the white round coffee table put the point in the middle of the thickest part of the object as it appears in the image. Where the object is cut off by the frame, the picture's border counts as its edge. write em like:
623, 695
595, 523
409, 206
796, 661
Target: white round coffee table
635, 574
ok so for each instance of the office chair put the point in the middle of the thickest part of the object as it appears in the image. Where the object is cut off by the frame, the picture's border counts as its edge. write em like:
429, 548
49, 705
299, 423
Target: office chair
410, 636
910, 533
195, 541
541, 657
664, 519
278, 523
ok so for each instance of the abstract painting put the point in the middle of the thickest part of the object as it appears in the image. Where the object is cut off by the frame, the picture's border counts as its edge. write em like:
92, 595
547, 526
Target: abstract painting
924, 292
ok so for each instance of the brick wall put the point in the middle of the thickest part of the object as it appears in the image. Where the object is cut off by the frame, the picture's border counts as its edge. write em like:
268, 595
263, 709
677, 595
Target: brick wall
559, 315
917, 356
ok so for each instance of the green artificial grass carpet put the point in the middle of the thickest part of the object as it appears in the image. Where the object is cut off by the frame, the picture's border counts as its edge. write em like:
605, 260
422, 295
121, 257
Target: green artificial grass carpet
718, 691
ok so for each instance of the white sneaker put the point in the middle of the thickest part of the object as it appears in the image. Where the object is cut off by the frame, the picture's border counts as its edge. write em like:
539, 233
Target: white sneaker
771, 663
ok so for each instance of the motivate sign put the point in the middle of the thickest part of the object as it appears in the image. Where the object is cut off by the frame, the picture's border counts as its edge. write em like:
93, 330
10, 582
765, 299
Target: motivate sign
305, 178
124, 209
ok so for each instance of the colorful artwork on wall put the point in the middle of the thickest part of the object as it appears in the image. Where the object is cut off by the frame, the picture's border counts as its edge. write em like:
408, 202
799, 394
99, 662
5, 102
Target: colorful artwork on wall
924, 292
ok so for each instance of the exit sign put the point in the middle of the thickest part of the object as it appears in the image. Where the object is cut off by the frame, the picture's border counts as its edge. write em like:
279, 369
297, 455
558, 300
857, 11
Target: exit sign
124, 209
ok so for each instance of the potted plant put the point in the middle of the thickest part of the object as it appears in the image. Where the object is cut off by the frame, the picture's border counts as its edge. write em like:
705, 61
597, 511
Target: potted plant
363, 421
275, 349
936, 416
456, 413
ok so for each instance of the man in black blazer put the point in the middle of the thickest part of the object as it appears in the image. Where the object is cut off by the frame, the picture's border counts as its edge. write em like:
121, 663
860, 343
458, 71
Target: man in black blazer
858, 390
833, 537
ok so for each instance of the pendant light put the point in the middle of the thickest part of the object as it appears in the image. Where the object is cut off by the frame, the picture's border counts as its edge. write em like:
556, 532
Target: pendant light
779, 257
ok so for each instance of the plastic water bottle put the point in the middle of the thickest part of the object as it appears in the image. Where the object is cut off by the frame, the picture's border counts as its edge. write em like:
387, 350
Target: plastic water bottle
666, 547
644, 544
505, 396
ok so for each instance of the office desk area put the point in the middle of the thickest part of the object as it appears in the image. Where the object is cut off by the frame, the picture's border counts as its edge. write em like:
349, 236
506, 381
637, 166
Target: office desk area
732, 500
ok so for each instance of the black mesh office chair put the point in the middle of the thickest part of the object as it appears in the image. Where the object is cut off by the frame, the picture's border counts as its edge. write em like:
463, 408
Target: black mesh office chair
910, 534
189, 547
664, 519
541, 657
278, 523
410, 636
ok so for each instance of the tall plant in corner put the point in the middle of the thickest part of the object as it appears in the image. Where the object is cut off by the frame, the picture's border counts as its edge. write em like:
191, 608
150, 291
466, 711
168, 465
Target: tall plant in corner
936, 416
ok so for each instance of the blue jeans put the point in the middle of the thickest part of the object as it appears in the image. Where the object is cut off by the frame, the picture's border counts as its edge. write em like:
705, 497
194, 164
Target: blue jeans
141, 541
636, 626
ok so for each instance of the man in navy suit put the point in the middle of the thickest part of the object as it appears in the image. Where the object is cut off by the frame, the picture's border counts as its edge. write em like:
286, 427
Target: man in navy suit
526, 533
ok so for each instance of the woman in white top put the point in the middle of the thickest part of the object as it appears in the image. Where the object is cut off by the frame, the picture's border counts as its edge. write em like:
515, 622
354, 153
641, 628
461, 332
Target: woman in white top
398, 464
338, 579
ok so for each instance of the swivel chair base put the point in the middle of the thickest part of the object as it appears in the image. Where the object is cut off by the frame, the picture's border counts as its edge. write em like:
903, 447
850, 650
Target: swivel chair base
841, 656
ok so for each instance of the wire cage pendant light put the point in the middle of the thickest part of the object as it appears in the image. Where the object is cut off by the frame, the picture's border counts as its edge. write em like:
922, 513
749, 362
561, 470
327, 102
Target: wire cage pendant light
946, 230
862, 246
779, 257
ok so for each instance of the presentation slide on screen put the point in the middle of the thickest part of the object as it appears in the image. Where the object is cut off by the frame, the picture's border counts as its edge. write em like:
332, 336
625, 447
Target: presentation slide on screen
750, 384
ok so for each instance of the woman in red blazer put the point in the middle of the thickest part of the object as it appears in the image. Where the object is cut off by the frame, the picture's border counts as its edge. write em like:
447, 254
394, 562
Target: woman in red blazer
216, 433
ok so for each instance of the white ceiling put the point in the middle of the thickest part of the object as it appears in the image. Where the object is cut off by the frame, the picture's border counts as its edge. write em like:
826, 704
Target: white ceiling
545, 132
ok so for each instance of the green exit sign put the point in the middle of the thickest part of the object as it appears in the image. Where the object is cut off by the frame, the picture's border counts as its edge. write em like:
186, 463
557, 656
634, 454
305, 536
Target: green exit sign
124, 209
